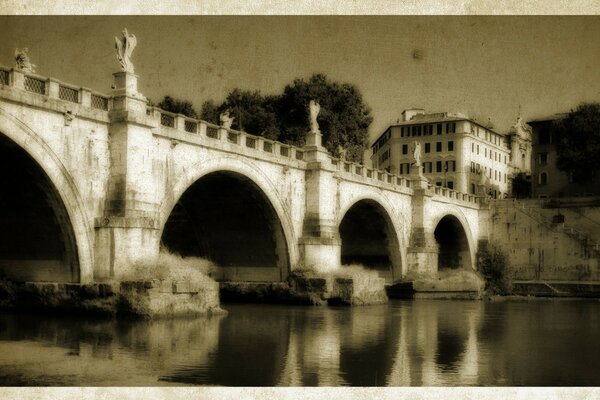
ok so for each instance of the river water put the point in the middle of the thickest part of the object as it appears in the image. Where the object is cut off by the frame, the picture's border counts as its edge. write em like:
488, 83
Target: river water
404, 343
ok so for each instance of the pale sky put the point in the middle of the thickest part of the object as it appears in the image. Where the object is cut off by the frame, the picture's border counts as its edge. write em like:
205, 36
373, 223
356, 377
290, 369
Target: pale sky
482, 66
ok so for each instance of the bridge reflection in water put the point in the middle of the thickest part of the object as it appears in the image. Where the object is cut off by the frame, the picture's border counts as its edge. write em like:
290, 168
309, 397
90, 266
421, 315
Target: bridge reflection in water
421, 343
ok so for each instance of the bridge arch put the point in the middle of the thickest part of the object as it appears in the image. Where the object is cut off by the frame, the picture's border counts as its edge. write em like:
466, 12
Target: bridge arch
243, 186
372, 235
63, 204
453, 235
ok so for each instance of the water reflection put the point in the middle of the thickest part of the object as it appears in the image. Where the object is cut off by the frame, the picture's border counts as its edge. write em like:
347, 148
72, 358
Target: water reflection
417, 343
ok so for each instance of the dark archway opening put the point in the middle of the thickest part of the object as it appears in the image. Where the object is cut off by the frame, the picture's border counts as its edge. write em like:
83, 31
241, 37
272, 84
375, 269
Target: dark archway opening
452, 244
368, 238
37, 242
226, 218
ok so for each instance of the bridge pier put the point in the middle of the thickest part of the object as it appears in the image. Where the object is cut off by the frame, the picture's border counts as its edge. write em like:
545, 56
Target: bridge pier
320, 245
422, 252
127, 233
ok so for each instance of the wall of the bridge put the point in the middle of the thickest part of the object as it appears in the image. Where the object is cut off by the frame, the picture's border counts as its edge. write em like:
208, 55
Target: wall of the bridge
75, 160
126, 182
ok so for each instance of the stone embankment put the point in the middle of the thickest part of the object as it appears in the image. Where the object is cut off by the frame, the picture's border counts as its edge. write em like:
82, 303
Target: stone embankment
349, 286
145, 299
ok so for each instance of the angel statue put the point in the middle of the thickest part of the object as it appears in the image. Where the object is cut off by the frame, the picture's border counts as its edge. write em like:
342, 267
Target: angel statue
124, 48
22, 60
226, 120
417, 154
314, 112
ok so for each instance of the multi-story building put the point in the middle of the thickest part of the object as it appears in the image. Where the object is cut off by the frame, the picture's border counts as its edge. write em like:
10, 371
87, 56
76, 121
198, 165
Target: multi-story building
547, 179
456, 151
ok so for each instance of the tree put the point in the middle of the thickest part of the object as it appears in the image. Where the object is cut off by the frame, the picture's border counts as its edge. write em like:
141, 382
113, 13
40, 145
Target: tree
343, 120
210, 112
184, 107
578, 135
253, 112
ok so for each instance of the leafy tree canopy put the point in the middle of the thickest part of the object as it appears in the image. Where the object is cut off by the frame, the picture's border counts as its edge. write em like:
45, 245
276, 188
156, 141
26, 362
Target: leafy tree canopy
578, 137
184, 107
344, 119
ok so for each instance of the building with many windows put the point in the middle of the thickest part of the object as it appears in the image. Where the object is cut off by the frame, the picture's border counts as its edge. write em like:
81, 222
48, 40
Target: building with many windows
456, 151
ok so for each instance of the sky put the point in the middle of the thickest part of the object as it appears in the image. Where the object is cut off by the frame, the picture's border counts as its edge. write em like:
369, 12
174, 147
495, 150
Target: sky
483, 66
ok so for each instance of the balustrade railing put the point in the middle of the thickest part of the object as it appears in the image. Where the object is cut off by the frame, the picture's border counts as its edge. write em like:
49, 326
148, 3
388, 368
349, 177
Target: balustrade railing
34, 85
99, 102
68, 93
167, 119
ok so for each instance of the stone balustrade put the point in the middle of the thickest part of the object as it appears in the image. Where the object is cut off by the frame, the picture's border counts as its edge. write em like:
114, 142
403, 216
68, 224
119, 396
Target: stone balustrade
455, 195
352, 170
53, 88
244, 140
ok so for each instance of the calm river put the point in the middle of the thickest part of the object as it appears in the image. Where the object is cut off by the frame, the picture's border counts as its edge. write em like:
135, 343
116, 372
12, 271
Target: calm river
404, 343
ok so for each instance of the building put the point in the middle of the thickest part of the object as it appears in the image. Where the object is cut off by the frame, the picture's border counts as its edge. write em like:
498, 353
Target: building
520, 144
547, 179
456, 152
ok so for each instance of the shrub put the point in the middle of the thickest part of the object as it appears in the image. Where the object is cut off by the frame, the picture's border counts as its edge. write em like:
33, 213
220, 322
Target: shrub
171, 266
492, 264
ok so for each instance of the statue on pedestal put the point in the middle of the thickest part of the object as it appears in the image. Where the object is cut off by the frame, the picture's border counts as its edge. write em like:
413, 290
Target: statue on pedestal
22, 60
124, 48
226, 120
314, 108
417, 154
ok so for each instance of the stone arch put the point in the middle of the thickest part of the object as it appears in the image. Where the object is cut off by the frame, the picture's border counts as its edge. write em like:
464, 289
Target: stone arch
461, 220
50, 164
396, 247
193, 173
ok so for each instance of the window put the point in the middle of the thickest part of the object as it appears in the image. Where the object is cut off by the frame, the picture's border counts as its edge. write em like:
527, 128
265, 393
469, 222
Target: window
427, 147
451, 146
438, 147
428, 130
438, 166
439, 129
473, 167
472, 188
438, 183
472, 147
477, 149
450, 185
485, 152
451, 128
451, 166
428, 167
543, 158
404, 149
543, 180
404, 168
545, 137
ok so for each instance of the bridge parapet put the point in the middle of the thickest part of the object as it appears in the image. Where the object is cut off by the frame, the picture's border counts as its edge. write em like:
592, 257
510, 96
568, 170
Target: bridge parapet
54, 89
445, 194
201, 132
359, 173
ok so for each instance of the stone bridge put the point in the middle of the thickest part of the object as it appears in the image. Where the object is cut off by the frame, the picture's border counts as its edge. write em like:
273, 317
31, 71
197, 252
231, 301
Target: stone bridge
93, 184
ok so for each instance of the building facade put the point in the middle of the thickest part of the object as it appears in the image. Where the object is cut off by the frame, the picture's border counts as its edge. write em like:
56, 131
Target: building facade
456, 152
547, 179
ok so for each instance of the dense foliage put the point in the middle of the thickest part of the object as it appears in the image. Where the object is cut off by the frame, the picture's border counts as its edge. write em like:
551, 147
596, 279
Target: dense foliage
578, 140
492, 264
344, 119
178, 106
